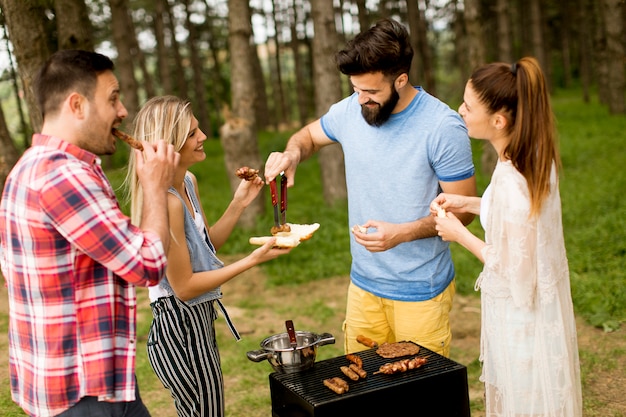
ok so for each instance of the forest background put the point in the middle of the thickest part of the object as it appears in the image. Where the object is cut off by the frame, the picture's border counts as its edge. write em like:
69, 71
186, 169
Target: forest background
257, 70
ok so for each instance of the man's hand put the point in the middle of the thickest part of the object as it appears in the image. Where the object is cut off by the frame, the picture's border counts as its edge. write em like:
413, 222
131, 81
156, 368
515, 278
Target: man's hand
384, 236
278, 162
156, 166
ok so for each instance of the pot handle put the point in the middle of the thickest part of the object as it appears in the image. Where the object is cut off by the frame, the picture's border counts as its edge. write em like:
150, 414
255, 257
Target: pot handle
258, 355
326, 339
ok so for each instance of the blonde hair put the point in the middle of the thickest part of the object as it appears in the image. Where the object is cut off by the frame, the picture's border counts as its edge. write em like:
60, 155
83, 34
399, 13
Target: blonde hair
165, 117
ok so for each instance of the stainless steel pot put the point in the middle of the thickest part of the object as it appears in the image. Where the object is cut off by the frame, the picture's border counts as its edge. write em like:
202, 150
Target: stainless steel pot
284, 358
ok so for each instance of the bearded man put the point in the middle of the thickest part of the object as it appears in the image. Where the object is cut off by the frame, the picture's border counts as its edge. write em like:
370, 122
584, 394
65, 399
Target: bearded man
401, 151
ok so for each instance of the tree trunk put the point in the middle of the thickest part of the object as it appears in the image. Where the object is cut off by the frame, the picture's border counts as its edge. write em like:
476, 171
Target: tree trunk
300, 75
238, 133
612, 10
460, 46
475, 38
73, 25
383, 10
162, 56
26, 27
489, 156
275, 116
25, 129
364, 20
197, 73
125, 67
182, 86
9, 154
568, 12
476, 56
504, 31
217, 84
140, 59
327, 92
536, 33
584, 37
424, 51
261, 106
341, 31
279, 93
413, 13
600, 59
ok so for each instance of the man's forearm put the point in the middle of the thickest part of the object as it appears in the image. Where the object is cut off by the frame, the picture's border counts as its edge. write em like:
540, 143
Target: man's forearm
301, 145
155, 217
421, 229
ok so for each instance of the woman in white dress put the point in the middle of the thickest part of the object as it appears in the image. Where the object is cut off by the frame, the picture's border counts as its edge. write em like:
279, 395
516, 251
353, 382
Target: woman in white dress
528, 338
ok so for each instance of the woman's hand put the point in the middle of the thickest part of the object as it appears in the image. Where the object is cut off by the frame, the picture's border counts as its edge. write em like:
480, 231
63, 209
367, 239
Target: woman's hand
267, 252
455, 203
449, 202
247, 191
450, 228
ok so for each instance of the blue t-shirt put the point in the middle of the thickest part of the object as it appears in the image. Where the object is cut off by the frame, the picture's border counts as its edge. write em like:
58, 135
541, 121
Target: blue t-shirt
392, 174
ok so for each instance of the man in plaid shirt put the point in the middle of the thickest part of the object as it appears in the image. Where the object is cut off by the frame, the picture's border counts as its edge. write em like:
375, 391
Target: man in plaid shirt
70, 257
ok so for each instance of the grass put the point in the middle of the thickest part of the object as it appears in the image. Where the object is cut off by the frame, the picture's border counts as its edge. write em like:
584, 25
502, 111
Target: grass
593, 182
594, 220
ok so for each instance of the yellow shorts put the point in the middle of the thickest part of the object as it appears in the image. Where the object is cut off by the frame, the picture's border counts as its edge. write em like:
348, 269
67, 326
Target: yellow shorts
426, 323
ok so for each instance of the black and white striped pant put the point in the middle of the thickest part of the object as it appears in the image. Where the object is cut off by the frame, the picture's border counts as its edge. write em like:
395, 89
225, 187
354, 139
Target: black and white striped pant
183, 353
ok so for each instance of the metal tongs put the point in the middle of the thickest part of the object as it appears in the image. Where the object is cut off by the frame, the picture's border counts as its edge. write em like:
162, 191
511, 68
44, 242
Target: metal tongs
280, 222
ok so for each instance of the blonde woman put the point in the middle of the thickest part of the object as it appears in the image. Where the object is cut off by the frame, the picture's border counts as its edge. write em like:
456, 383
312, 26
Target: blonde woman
528, 332
181, 345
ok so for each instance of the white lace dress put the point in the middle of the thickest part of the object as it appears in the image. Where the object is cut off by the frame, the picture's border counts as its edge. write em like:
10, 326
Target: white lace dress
529, 346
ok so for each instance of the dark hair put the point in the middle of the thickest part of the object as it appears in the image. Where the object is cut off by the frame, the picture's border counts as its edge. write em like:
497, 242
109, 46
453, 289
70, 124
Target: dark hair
66, 71
385, 47
521, 93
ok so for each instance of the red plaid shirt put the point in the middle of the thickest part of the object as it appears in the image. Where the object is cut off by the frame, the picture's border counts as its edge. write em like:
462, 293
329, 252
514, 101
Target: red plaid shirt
71, 259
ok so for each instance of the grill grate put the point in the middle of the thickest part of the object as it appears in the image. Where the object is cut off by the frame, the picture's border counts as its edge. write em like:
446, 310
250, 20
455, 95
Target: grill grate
438, 388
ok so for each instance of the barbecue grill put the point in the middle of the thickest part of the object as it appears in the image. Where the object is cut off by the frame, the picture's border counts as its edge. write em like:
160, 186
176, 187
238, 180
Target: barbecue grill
437, 389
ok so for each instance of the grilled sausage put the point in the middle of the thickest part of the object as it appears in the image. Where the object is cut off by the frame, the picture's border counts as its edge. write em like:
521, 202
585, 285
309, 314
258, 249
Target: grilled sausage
366, 341
134, 143
349, 373
355, 359
337, 385
358, 370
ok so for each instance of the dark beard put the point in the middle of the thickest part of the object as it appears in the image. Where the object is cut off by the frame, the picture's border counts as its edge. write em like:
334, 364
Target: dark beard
378, 116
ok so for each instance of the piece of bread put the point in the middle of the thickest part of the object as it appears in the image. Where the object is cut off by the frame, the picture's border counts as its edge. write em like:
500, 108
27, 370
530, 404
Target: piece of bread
441, 212
281, 241
298, 233
358, 228
303, 231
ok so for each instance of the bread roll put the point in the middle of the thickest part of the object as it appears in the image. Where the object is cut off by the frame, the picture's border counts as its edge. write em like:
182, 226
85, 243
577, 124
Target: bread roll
303, 231
359, 228
298, 233
281, 241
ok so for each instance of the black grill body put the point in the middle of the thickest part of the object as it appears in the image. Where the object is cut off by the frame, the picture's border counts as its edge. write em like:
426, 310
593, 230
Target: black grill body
437, 389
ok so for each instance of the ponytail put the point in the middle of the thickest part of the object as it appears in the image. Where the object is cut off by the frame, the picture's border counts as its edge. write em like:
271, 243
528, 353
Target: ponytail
533, 148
